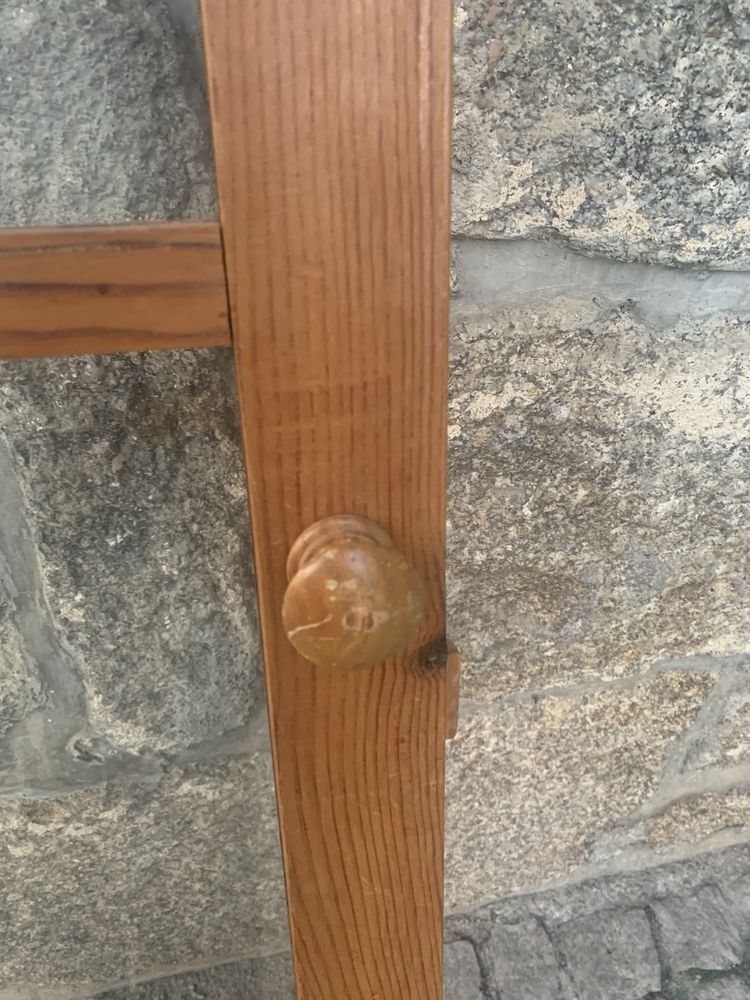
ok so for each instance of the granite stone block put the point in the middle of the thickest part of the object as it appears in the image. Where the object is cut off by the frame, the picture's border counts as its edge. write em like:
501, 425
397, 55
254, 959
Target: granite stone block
529, 783
109, 119
597, 492
137, 505
102, 884
695, 820
20, 685
620, 129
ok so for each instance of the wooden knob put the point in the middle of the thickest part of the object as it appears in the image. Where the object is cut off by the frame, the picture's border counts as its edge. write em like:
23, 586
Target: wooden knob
353, 600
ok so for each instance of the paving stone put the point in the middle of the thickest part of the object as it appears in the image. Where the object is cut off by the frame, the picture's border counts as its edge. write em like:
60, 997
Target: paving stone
699, 931
610, 955
103, 884
259, 979
462, 978
630, 888
618, 128
523, 962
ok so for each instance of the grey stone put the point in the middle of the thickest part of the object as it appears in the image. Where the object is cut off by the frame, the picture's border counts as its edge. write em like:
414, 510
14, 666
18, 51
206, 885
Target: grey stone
723, 739
137, 505
20, 686
619, 129
699, 931
697, 819
737, 893
462, 978
41, 698
622, 890
20, 678
187, 19
103, 884
610, 955
512, 273
524, 966
109, 119
530, 781
600, 921
260, 979
708, 987
596, 493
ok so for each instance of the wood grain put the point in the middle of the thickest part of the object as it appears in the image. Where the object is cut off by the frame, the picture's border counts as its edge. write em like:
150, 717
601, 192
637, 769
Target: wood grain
331, 131
100, 289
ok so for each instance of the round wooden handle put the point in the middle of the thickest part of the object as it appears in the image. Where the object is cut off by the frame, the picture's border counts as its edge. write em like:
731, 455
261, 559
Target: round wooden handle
353, 600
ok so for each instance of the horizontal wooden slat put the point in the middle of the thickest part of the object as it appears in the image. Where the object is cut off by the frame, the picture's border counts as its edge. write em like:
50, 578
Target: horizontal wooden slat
101, 289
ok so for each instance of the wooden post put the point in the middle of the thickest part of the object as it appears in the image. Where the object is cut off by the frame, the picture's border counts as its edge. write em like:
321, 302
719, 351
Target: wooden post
331, 129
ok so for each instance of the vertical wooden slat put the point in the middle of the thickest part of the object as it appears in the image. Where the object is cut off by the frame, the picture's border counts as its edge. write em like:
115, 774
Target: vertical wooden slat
331, 131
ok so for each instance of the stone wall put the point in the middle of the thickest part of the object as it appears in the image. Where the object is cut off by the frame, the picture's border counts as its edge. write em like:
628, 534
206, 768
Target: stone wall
599, 787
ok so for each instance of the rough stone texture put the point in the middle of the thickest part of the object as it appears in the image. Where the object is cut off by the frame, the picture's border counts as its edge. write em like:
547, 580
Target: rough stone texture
621, 965
523, 963
618, 128
710, 987
613, 892
462, 979
529, 783
700, 932
106, 124
607, 938
21, 655
102, 884
129, 841
260, 979
597, 477
20, 688
692, 820
137, 503
723, 739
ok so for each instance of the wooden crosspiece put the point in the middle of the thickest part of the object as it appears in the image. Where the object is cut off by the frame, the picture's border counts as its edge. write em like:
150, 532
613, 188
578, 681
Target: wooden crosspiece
328, 276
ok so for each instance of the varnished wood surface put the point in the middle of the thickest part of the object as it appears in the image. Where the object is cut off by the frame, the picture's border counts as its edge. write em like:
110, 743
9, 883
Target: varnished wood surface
100, 289
331, 128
